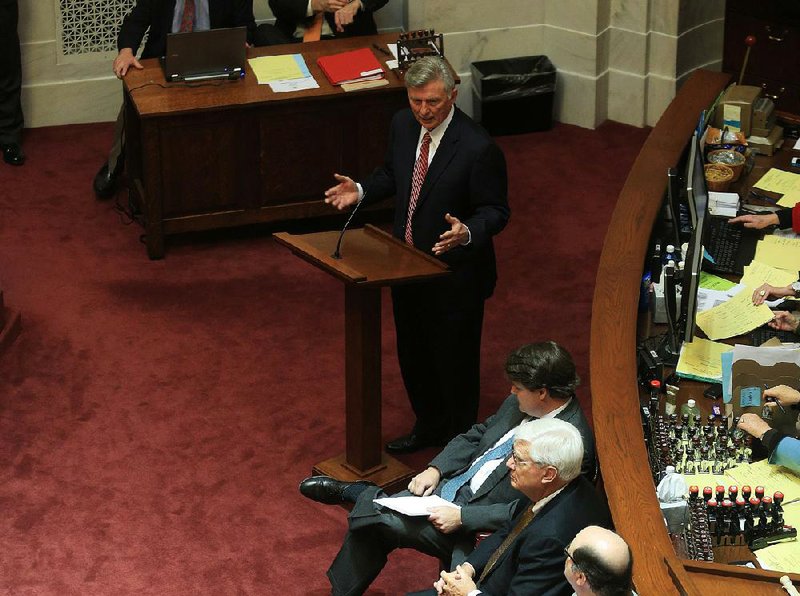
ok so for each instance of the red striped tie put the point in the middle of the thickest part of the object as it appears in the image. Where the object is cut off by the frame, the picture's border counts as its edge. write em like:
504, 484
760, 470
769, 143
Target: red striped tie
420, 169
187, 22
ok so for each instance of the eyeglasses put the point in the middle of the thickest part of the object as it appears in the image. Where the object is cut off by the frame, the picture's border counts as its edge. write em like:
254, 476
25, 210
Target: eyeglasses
570, 557
518, 461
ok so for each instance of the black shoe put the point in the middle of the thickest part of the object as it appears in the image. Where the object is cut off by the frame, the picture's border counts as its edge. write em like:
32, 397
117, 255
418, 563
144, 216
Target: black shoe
13, 154
105, 182
324, 489
411, 443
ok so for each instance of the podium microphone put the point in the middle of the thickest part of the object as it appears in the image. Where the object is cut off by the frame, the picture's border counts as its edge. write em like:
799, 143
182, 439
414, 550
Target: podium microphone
337, 253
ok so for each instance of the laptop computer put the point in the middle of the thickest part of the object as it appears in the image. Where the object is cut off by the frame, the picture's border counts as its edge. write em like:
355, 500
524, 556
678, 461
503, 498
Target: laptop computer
202, 55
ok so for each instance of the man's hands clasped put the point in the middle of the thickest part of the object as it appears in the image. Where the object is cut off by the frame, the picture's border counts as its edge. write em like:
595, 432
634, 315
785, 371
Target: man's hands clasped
344, 10
456, 583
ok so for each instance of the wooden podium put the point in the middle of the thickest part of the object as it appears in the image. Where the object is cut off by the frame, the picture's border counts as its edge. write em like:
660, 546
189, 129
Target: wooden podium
370, 259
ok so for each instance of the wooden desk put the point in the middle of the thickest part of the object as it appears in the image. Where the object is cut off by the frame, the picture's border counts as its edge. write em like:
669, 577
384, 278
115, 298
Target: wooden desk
615, 395
221, 154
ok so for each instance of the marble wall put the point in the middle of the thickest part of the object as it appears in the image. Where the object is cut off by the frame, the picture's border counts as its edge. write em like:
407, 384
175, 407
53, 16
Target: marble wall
616, 59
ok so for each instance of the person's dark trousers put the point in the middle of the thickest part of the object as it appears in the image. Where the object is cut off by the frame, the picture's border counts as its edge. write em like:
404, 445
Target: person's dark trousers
374, 533
11, 120
438, 347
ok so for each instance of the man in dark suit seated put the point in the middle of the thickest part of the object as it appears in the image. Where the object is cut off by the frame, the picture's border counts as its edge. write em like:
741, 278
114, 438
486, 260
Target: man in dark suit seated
599, 563
468, 472
337, 18
527, 555
158, 18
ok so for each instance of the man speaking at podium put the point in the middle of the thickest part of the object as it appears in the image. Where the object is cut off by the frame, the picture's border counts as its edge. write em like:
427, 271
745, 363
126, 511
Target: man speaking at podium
450, 186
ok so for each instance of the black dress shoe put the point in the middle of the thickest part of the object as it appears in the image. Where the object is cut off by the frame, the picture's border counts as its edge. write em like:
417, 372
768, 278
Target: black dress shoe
13, 154
411, 443
324, 489
105, 182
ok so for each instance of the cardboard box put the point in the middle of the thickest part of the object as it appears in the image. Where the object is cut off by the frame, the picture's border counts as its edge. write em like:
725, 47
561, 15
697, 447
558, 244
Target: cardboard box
768, 145
735, 109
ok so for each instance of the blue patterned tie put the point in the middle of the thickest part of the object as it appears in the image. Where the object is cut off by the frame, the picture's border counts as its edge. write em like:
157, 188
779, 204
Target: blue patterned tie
451, 487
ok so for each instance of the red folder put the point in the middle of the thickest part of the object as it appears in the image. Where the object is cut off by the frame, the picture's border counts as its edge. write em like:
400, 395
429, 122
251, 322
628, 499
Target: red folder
349, 67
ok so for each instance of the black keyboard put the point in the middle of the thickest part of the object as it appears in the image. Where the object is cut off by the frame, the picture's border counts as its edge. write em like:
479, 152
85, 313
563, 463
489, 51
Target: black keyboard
731, 246
761, 334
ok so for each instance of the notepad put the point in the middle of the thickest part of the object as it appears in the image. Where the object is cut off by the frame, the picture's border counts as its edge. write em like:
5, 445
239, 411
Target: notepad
351, 67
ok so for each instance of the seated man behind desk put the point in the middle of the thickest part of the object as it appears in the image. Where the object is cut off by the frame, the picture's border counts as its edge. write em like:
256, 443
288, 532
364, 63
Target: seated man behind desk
294, 19
543, 381
783, 450
527, 555
157, 18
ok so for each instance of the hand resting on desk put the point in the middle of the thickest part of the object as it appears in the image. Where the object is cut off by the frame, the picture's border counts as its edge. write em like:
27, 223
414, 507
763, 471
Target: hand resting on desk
757, 222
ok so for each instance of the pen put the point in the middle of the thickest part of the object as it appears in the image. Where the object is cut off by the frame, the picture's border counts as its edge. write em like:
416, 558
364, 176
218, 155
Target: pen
774, 399
785, 503
381, 50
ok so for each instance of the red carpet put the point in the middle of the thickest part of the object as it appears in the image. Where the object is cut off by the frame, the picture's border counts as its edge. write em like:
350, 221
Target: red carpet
156, 416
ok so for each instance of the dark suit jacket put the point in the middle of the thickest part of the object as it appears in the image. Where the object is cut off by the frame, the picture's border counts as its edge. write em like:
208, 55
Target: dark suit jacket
492, 505
157, 15
467, 178
289, 13
534, 563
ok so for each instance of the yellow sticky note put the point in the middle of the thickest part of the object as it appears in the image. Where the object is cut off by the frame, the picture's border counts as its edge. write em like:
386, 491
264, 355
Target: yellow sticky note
790, 199
702, 358
710, 281
734, 317
779, 252
780, 181
275, 68
771, 477
757, 273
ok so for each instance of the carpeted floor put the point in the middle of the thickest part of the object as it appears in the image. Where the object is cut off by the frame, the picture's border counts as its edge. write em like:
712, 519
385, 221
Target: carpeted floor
156, 416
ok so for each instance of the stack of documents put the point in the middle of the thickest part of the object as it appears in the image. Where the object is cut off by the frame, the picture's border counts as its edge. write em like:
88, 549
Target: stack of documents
783, 182
283, 73
351, 67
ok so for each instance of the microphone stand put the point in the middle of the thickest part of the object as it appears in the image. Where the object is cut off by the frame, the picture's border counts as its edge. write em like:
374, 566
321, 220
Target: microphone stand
337, 253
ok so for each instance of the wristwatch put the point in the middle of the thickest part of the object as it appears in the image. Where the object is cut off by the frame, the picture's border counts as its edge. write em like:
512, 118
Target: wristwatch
796, 289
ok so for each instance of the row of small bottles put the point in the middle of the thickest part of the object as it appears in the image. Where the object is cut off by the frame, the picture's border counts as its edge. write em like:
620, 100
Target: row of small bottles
690, 446
738, 519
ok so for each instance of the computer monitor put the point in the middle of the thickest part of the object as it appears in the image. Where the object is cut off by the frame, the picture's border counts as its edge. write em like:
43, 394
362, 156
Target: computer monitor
697, 194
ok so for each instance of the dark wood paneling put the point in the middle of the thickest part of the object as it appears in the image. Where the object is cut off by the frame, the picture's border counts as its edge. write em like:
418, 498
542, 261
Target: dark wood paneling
235, 153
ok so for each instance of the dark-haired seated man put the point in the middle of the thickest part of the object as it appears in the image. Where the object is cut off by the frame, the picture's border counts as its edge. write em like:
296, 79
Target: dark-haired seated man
527, 555
599, 563
469, 472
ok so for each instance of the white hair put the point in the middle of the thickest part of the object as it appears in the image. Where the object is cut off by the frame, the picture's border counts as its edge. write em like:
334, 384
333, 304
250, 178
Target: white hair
553, 442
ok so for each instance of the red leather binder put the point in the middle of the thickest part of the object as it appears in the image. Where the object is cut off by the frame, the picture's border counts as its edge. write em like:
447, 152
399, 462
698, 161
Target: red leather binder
350, 67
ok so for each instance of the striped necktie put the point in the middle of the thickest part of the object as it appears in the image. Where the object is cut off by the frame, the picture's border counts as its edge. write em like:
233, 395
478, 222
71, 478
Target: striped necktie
420, 170
187, 20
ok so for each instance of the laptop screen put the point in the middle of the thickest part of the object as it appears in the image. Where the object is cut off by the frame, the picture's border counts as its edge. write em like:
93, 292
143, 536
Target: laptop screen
217, 53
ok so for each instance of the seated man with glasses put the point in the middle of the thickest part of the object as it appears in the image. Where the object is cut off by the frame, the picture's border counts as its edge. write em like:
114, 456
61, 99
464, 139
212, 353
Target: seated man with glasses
468, 472
599, 563
527, 555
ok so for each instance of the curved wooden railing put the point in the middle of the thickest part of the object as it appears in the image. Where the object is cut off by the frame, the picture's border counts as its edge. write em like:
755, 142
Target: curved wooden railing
615, 397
